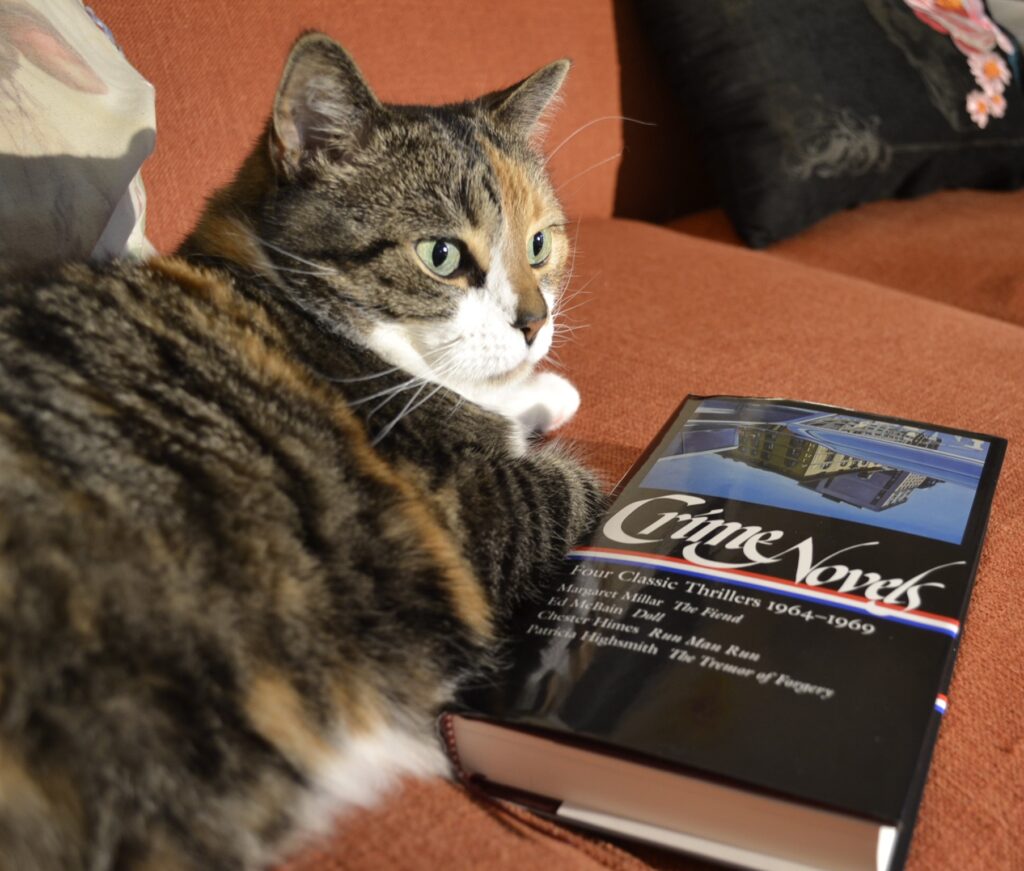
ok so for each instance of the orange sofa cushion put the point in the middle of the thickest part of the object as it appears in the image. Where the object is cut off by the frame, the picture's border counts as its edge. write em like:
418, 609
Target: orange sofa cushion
962, 247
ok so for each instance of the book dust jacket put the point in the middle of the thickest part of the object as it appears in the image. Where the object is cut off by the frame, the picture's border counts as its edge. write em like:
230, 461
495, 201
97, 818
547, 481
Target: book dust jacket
774, 599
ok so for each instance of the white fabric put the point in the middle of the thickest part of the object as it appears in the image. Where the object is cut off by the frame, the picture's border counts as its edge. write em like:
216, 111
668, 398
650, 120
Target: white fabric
76, 123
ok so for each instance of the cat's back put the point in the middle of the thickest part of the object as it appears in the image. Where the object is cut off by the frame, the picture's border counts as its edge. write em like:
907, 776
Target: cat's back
206, 571
156, 397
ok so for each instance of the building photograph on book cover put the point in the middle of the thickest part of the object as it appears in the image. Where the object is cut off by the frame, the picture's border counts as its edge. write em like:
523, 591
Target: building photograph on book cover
866, 470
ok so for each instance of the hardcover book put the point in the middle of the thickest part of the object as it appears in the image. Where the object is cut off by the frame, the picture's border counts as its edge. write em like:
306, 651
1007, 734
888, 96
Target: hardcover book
749, 658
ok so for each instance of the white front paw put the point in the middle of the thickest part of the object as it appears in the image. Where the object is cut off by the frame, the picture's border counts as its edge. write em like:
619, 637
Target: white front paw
545, 402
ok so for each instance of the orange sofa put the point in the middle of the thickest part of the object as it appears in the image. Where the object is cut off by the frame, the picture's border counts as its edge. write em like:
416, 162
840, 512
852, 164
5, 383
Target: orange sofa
914, 309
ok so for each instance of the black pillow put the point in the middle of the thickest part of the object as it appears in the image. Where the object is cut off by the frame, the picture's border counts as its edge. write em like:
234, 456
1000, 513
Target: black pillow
806, 107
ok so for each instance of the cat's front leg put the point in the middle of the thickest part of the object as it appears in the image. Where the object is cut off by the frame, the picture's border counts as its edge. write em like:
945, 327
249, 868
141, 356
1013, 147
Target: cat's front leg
518, 519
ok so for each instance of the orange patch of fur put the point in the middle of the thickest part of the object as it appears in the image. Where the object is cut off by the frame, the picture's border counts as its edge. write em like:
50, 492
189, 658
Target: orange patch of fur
213, 289
17, 787
275, 708
37, 804
223, 231
161, 856
522, 210
230, 237
479, 245
361, 705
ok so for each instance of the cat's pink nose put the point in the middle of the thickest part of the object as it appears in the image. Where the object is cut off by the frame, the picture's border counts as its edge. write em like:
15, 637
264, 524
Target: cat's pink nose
529, 327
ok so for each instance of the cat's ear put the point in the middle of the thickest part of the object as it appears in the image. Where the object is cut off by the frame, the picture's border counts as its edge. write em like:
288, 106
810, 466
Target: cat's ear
322, 103
523, 106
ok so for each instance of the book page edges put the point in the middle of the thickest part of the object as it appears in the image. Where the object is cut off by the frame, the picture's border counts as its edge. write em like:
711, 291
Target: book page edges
724, 853
679, 811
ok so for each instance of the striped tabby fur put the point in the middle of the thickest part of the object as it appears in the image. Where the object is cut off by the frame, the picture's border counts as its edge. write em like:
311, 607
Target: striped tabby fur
265, 504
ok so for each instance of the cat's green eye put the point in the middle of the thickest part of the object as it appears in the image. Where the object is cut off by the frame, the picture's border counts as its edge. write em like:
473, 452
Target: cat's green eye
538, 247
440, 256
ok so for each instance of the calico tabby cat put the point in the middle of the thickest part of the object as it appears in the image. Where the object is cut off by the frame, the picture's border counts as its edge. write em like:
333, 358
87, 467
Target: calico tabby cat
264, 505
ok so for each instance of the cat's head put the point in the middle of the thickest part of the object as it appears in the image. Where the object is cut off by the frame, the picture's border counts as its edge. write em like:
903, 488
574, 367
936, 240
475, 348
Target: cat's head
430, 234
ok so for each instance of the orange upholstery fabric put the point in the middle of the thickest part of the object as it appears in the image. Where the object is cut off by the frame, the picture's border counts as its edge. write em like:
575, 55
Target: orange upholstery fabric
668, 315
439, 826
960, 247
216, 63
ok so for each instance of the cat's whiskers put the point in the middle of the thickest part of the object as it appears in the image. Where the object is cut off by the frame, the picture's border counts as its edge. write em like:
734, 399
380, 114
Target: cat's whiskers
410, 407
563, 331
390, 426
564, 322
414, 384
574, 249
320, 267
560, 298
573, 307
581, 290
566, 338
560, 306
590, 168
319, 273
359, 378
444, 346
560, 323
553, 358
591, 123
445, 368
458, 404
387, 391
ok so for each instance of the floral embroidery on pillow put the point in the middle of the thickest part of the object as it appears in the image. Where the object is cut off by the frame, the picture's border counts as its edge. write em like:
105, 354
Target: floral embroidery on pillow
977, 37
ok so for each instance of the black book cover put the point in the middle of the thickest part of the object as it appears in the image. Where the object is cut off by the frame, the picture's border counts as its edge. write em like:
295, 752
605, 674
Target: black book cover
774, 599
